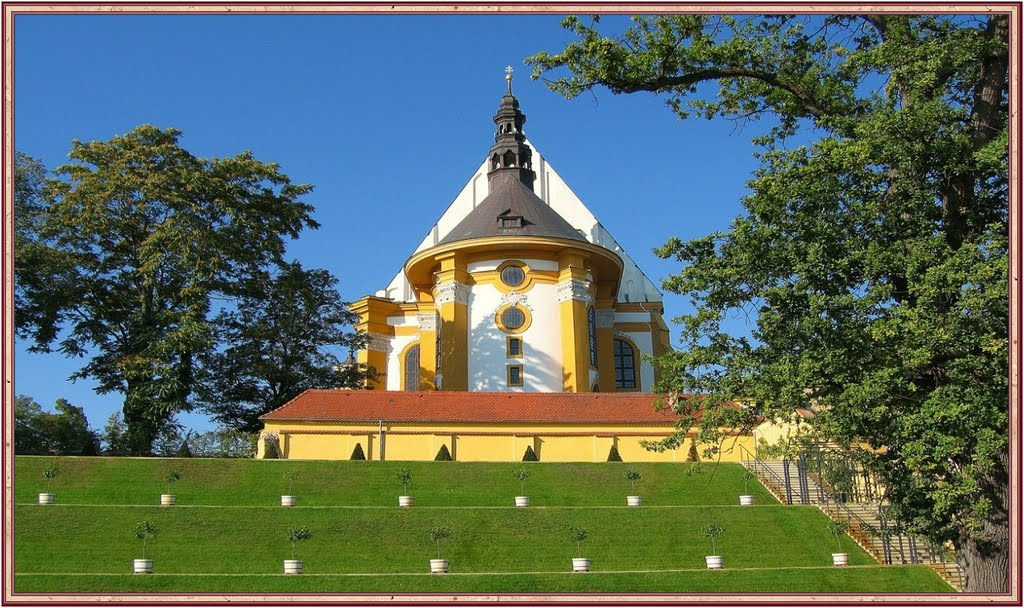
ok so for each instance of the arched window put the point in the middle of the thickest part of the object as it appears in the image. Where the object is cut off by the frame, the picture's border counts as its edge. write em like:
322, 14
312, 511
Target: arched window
625, 364
592, 333
412, 369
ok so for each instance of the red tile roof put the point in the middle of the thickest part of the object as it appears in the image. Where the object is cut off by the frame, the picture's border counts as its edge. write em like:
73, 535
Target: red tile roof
451, 406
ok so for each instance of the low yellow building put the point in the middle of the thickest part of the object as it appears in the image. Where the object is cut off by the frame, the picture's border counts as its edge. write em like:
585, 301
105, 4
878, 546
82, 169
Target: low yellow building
476, 426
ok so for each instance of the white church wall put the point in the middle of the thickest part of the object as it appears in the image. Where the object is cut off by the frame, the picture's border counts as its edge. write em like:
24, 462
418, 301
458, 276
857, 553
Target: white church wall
542, 345
398, 344
533, 263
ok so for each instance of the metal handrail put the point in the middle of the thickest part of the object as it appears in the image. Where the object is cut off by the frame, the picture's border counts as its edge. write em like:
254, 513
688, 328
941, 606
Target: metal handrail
761, 464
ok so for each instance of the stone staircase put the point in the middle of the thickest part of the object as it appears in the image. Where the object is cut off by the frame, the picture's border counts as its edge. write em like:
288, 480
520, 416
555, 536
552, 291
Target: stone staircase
864, 519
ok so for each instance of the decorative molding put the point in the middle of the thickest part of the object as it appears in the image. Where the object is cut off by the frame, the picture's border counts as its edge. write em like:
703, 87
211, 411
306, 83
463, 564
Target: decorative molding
514, 298
452, 292
427, 321
605, 319
379, 343
574, 289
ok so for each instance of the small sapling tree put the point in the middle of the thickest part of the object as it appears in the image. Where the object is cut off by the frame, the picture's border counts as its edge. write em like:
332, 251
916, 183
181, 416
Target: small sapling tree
747, 478
633, 476
50, 472
404, 477
171, 477
144, 531
290, 477
713, 531
438, 534
297, 535
578, 535
837, 528
521, 475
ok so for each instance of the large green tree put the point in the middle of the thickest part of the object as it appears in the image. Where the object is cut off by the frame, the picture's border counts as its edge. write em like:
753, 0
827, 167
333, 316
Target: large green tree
63, 432
135, 238
873, 251
281, 339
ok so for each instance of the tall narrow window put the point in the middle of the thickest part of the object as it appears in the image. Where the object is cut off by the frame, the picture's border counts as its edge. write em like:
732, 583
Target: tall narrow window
625, 364
513, 347
515, 375
412, 369
592, 331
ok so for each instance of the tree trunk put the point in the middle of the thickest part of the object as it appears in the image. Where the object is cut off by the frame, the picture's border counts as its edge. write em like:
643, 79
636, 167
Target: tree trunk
984, 554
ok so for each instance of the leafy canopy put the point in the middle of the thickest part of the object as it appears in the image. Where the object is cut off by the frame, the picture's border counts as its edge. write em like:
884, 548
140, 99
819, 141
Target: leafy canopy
872, 258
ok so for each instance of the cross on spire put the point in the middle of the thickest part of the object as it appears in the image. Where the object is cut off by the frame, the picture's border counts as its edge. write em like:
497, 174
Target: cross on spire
508, 78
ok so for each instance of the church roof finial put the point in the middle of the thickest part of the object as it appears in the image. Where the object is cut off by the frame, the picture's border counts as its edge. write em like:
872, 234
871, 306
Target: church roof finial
508, 78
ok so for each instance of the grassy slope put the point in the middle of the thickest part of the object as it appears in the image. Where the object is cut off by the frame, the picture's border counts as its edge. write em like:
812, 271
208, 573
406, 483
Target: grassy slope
357, 529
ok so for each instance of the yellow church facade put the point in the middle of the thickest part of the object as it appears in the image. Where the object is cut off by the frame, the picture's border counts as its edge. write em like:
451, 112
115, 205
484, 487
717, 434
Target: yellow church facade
518, 321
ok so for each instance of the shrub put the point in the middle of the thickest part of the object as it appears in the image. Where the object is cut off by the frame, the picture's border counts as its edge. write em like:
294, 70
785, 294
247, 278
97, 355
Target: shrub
713, 531
270, 448
530, 455
183, 450
837, 528
170, 477
578, 535
521, 475
443, 454
144, 531
613, 455
633, 476
295, 535
50, 473
404, 476
290, 477
438, 534
357, 453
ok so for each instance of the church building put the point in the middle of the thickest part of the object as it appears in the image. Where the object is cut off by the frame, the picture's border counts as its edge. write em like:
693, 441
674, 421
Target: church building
518, 322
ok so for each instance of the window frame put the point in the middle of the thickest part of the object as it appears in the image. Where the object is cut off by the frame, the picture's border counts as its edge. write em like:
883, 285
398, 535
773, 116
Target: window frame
508, 375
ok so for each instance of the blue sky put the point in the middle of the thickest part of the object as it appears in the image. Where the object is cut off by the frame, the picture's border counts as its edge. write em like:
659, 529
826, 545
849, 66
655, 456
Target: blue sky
387, 116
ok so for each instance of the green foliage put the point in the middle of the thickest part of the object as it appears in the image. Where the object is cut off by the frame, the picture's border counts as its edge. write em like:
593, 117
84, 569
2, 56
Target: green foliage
837, 528
357, 453
170, 477
404, 476
613, 454
271, 450
438, 534
279, 337
443, 454
144, 531
712, 531
297, 535
183, 450
50, 473
522, 475
872, 260
633, 476
578, 535
65, 432
290, 477
529, 455
115, 436
135, 239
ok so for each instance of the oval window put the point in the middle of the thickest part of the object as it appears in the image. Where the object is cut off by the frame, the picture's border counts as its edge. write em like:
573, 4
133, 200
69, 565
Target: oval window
513, 318
512, 276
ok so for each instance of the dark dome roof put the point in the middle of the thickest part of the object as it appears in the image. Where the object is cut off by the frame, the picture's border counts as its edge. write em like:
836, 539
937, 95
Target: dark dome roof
512, 209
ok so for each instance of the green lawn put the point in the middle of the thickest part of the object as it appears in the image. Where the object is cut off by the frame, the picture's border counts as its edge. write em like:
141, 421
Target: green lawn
209, 481
229, 531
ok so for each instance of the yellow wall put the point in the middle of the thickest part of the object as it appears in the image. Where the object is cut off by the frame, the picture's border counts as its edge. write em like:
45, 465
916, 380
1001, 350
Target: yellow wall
485, 442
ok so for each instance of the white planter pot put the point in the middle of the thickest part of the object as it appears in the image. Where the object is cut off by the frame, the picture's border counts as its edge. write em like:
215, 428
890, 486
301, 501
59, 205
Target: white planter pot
293, 566
746, 501
522, 501
633, 501
839, 559
439, 566
580, 564
714, 562
168, 500
288, 501
143, 566
405, 501
45, 498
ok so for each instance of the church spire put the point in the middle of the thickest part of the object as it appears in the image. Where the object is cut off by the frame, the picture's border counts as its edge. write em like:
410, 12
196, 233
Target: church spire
510, 154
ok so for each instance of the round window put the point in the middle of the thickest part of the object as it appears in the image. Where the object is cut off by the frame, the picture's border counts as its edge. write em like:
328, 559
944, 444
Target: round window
512, 276
513, 318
